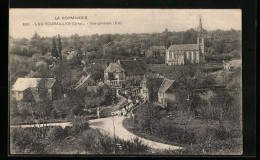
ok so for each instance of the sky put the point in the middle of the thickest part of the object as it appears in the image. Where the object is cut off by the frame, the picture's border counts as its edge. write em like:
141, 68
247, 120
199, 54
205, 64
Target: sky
130, 21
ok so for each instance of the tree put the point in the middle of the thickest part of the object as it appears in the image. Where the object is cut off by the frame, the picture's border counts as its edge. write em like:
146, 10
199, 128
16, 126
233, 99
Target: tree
59, 48
54, 51
96, 72
63, 75
207, 107
147, 115
190, 36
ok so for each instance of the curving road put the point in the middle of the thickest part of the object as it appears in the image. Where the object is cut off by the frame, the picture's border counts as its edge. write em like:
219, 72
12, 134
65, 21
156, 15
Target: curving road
106, 125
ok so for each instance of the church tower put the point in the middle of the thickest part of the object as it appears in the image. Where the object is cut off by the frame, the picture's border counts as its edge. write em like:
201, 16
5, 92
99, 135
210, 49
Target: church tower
200, 41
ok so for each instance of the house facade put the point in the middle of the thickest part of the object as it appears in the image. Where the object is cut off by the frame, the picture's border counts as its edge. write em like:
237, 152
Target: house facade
33, 89
233, 64
166, 92
125, 73
156, 51
187, 53
150, 87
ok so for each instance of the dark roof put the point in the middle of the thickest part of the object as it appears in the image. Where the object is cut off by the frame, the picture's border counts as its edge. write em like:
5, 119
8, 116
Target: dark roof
134, 67
143, 65
166, 84
184, 47
155, 83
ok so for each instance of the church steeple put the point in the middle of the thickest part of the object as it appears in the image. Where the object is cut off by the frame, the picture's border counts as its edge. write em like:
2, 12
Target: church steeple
200, 29
200, 41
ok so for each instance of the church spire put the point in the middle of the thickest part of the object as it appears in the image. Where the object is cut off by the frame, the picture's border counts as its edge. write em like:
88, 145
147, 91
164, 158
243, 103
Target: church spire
200, 29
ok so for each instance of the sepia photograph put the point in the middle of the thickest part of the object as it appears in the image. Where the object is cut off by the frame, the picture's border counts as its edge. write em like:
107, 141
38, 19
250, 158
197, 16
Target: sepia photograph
125, 81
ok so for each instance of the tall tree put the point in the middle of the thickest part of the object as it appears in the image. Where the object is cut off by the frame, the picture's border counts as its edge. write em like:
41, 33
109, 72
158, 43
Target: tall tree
59, 48
54, 51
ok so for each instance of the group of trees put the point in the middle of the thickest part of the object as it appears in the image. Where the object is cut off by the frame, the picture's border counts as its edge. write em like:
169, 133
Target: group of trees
28, 47
75, 139
122, 46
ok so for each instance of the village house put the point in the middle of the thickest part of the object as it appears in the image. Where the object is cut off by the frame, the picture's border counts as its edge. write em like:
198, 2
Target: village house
229, 65
166, 92
33, 89
154, 51
150, 87
124, 73
86, 83
187, 53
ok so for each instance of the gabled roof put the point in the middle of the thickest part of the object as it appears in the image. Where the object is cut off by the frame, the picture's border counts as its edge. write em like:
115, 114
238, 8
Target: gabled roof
22, 84
133, 67
184, 47
82, 80
166, 84
130, 67
114, 67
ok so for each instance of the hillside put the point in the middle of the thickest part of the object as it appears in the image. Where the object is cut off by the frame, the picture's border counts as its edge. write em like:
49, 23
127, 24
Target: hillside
15, 57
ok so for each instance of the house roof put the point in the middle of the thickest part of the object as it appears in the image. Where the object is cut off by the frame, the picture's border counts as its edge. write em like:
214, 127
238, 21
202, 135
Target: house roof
133, 67
130, 67
184, 47
114, 67
82, 80
236, 62
22, 84
166, 84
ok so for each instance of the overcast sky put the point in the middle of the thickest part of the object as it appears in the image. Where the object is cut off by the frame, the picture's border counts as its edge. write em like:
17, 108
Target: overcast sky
133, 20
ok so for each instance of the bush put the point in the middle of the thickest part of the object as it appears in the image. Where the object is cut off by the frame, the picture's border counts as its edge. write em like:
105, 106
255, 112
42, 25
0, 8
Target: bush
218, 58
24, 142
133, 146
149, 120
147, 115
79, 124
221, 133
57, 133
93, 141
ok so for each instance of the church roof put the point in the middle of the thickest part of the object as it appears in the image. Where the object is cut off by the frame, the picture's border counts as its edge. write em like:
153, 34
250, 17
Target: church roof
184, 47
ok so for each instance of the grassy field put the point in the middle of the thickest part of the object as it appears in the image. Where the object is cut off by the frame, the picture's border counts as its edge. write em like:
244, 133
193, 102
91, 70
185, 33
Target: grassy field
196, 126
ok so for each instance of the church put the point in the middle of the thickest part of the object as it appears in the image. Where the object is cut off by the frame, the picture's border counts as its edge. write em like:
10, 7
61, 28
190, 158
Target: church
187, 53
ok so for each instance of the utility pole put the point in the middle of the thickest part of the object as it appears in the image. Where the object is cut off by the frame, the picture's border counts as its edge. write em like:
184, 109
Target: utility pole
114, 133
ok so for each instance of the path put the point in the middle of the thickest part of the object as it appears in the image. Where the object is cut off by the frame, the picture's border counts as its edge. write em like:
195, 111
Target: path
106, 124
61, 124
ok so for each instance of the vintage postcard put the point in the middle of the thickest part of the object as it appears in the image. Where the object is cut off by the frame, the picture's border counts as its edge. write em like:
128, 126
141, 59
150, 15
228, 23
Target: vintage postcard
125, 81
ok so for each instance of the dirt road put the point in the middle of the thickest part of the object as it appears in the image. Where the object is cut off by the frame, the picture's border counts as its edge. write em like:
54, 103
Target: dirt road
106, 124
